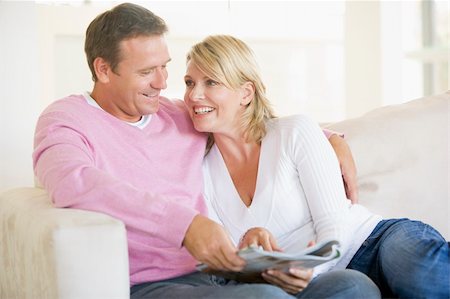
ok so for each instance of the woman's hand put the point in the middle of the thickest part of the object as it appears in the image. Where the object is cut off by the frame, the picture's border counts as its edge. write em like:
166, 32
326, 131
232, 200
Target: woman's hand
292, 282
259, 236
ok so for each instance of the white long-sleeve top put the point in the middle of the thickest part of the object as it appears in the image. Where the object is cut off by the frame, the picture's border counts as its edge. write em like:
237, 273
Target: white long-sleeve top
299, 193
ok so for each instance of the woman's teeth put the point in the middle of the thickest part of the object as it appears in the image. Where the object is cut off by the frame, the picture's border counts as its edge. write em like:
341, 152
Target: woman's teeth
203, 110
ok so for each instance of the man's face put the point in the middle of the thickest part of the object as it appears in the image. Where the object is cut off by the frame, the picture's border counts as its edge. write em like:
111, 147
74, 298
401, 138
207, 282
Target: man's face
134, 87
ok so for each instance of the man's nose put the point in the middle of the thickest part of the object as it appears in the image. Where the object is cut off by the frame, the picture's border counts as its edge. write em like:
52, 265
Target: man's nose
160, 79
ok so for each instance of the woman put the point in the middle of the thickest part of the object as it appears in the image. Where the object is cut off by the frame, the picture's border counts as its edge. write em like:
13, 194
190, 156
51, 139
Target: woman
275, 182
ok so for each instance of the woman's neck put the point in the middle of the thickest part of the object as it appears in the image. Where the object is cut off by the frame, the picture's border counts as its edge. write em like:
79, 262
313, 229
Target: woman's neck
236, 148
242, 160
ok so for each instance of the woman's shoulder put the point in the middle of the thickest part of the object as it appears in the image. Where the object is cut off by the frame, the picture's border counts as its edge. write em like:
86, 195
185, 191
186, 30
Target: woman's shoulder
293, 130
296, 122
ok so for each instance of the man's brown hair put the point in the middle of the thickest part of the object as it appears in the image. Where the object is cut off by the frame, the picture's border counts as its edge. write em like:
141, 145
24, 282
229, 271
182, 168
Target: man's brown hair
107, 30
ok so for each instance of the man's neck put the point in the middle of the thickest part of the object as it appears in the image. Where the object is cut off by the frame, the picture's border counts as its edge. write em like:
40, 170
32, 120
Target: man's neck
103, 99
142, 123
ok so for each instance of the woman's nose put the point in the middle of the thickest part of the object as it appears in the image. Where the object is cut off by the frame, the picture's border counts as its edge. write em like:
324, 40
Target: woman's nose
197, 93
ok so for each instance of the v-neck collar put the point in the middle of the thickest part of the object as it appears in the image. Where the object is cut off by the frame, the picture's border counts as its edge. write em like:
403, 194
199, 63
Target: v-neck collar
227, 196
229, 179
140, 124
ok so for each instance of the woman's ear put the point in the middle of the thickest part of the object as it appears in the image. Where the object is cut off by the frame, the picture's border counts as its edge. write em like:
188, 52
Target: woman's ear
248, 93
102, 70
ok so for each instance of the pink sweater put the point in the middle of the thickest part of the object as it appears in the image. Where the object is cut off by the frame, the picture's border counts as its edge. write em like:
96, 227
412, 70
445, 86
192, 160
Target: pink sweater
149, 178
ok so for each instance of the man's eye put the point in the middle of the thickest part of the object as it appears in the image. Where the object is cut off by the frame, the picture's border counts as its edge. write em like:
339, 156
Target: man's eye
147, 72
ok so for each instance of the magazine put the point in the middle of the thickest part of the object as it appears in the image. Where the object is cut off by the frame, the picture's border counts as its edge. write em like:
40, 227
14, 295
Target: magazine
259, 260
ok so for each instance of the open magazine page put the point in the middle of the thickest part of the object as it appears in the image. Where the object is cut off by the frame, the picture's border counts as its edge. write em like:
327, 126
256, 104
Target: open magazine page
259, 260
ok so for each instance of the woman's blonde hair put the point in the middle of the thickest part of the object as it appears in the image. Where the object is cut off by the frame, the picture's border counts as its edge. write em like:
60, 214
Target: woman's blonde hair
230, 61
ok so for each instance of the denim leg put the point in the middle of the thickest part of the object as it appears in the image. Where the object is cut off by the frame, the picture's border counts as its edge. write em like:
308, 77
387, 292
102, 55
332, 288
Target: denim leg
406, 259
341, 284
200, 285
334, 285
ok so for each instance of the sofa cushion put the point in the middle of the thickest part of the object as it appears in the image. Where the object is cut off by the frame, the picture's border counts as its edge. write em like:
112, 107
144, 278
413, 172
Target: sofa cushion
401, 153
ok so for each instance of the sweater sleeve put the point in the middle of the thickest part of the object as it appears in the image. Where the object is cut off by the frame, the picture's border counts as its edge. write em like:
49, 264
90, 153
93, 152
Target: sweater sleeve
64, 162
328, 133
320, 177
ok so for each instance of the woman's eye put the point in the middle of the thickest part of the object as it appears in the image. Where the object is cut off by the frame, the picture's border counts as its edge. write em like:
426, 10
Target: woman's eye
189, 82
212, 82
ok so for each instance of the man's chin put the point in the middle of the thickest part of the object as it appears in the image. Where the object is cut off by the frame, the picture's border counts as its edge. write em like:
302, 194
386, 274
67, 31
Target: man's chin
153, 109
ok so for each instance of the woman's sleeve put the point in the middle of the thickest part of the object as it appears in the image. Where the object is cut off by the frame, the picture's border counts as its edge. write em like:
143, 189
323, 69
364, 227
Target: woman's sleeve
320, 177
328, 133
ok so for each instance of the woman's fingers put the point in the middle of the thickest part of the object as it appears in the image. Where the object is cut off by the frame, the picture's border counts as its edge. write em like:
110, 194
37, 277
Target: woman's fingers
303, 274
259, 236
293, 282
292, 289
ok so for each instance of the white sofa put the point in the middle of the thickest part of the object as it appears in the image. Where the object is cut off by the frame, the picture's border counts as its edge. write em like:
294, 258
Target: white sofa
401, 153
402, 156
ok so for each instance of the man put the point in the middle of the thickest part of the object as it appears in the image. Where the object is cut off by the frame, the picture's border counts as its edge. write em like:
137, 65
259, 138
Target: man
125, 151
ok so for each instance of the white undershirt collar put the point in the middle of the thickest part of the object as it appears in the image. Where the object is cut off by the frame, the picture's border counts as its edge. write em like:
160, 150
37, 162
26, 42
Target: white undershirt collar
141, 124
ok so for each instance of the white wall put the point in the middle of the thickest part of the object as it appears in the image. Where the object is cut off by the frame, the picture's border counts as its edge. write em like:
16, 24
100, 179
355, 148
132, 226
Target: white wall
312, 60
62, 62
363, 57
19, 100
295, 54
378, 71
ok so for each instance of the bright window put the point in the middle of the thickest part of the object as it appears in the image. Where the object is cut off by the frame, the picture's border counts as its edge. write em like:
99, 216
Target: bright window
328, 59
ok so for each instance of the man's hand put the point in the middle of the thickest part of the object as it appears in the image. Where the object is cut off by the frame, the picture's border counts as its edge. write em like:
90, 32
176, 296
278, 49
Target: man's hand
347, 165
208, 242
260, 237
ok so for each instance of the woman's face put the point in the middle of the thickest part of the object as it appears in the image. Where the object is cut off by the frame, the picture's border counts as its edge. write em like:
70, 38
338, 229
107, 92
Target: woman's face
212, 106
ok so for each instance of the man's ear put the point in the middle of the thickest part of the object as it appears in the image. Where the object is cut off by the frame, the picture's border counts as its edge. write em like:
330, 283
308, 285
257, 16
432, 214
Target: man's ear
102, 69
248, 89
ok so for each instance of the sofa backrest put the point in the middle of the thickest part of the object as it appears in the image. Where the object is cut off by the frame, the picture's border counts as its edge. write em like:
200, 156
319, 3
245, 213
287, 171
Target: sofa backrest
401, 153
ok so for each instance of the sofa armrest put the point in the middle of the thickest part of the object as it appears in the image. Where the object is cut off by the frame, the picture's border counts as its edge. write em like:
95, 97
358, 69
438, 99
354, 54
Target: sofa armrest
47, 252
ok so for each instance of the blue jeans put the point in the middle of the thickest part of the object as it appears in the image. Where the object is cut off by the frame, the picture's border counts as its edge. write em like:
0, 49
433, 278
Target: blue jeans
334, 284
406, 259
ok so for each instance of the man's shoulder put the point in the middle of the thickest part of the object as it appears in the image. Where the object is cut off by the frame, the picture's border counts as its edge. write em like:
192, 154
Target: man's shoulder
67, 104
176, 113
173, 105
175, 109
70, 111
